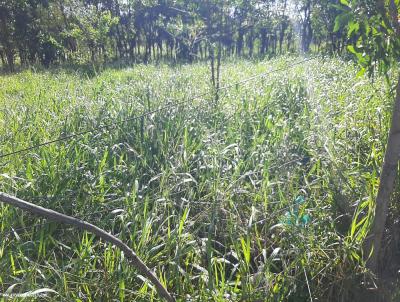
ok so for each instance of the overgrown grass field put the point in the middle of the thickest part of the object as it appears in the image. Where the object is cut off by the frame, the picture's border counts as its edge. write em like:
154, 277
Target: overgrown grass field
262, 195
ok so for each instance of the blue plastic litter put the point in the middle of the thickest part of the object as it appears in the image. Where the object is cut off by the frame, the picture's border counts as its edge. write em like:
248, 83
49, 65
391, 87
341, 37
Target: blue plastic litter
292, 217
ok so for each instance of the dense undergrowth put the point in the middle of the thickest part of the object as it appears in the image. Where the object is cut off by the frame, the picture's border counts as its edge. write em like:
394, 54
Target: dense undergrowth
261, 196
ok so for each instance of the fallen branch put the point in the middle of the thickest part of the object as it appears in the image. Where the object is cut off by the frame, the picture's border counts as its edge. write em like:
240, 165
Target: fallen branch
83, 225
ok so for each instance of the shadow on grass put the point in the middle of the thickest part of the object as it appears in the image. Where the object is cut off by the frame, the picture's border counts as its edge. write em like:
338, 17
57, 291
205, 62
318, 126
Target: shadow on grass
90, 70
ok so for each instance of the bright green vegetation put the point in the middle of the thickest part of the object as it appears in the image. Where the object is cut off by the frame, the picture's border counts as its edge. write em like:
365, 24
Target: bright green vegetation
204, 192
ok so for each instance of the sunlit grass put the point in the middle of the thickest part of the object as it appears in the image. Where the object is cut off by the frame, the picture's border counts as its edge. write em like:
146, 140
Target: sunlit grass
203, 192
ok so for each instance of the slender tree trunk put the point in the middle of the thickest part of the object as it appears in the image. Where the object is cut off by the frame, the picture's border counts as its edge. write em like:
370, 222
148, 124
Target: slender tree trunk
131, 48
289, 40
389, 171
10, 59
282, 35
274, 42
212, 61
3, 60
263, 44
201, 51
160, 47
239, 43
218, 71
250, 43
386, 185
306, 35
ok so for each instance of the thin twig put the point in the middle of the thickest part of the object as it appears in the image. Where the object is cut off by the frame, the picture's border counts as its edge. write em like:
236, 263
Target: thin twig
308, 285
83, 225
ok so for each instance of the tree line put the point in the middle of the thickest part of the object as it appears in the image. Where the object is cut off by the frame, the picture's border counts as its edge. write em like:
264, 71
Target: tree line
57, 31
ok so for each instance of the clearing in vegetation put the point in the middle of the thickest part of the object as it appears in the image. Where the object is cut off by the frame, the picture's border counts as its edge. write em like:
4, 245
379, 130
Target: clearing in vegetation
264, 195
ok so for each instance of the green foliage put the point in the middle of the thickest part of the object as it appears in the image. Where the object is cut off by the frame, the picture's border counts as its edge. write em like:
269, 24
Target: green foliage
49, 50
371, 33
93, 27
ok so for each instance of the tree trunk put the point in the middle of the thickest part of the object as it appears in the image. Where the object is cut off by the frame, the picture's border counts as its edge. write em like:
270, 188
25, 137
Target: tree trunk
239, 43
306, 35
10, 59
389, 170
3, 60
218, 72
250, 43
387, 180
212, 61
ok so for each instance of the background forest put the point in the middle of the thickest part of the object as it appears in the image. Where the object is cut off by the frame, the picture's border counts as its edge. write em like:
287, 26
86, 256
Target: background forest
58, 31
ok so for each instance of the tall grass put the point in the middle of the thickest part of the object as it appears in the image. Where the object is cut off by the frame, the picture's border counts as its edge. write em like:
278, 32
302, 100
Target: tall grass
263, 196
